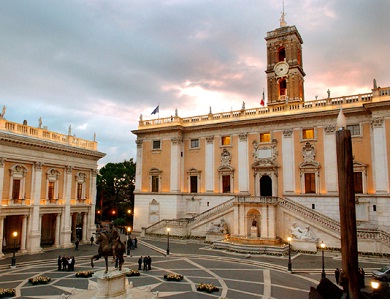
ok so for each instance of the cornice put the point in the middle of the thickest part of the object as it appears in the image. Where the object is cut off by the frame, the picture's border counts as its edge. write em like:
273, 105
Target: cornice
31, 143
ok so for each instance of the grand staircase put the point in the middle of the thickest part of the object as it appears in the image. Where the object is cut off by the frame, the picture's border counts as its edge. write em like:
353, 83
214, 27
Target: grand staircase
196, 226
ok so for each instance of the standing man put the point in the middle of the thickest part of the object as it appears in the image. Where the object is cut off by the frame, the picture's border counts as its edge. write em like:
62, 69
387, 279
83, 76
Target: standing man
77, 245
140, 261
92, 239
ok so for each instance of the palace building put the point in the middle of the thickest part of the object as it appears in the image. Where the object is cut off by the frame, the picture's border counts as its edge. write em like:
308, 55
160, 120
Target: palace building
47, 187
273, 166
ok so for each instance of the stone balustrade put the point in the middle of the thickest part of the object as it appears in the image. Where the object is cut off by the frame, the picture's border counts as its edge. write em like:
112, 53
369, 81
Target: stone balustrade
44, 134
275, 110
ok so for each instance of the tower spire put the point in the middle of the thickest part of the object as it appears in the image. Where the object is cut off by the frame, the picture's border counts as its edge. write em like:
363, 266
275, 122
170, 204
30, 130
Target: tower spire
282, 19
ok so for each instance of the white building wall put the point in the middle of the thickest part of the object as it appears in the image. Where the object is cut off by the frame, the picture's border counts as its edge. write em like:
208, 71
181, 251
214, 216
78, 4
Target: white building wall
288, 161
243, 162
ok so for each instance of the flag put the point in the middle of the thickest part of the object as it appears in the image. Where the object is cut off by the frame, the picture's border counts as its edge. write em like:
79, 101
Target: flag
263, 98
156, 110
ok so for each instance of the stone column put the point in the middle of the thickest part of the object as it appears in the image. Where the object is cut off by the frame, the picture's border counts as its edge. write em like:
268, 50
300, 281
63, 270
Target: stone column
57, 231
84, 230
2, 161
379, 156
330, 159
139, 165
264, 223
1, 235
34, 235
272, 221
23, 235
288, 161
91, 212
243, 167
209, 164
66, 222
175, 171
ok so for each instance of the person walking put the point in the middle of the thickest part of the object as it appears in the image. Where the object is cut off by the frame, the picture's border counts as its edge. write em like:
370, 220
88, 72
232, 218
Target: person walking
145, 261
140, 261
149, 262
135, 242
64, 263
77, 245
59, 263
92, 239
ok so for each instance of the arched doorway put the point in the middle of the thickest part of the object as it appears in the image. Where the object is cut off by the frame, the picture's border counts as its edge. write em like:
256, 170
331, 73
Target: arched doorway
265, 184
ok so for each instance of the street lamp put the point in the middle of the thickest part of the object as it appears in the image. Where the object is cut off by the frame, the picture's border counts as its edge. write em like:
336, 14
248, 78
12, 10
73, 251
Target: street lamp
322, 245
13, 260
289, 254
129, 241
168, 240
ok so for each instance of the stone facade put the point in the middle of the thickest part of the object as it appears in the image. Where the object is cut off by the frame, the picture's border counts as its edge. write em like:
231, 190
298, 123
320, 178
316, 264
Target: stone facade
47, 187
285, 150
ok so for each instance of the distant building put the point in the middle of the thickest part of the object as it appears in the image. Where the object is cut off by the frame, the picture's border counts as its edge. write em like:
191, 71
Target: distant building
275, 164
47, 187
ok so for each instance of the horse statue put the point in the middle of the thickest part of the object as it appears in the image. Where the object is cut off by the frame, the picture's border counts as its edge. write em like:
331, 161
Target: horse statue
105, 250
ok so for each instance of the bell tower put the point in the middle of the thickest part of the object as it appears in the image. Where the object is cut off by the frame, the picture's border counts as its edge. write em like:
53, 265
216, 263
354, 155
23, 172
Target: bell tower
285, 74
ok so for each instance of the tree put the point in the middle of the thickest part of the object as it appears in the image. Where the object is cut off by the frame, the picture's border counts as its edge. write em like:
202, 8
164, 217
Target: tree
115, 186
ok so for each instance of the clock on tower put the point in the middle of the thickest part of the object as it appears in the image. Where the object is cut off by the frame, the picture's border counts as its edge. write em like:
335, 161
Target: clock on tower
285, 74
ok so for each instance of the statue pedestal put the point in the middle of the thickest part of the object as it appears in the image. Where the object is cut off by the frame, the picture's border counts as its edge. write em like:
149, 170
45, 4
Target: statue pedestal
304, 245
254, 232
212, 237
111, 284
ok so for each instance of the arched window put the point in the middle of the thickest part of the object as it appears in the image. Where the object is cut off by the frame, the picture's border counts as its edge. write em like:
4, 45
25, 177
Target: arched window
281, 54
282, 87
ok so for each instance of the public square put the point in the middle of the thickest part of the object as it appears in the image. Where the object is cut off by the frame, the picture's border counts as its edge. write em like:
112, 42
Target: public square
237, 276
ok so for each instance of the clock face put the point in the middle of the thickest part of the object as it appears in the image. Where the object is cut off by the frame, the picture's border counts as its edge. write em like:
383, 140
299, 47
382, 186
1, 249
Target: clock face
281, 68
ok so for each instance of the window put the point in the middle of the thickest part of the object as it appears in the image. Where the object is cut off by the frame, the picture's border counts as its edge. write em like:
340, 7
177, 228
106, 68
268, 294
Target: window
282, 84
51, 190
354, 129
281, 54
265, 137
310, 183
15, 189
226, 140
156, 145
226, 181
358, 186
194, 143
155, 184
308, 134
79, 191
193, 184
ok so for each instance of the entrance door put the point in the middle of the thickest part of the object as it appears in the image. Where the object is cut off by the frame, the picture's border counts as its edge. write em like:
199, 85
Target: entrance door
266, 186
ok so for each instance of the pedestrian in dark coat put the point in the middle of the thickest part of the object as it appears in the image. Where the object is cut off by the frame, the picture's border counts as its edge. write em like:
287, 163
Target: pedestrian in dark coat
72, 264
135, 242
64, 263
92, 239
59, 263
77, 245
149, 262
145, 261
140, 261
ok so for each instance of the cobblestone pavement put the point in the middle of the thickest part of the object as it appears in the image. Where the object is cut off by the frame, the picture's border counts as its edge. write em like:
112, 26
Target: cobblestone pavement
237, 276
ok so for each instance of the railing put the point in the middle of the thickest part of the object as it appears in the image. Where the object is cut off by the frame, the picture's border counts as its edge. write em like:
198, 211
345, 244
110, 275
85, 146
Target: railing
44, 134
206, 214
272, 110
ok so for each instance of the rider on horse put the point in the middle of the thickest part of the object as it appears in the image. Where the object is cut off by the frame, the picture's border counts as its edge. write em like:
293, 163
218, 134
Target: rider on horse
114, 238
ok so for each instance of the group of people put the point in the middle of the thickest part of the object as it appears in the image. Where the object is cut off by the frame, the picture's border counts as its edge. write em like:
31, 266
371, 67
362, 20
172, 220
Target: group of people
66, 263
146, 260
340, 277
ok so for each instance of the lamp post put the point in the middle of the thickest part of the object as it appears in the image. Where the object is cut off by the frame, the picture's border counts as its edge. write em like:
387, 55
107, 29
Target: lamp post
322, 245
168, 241
129, 241
289, 254
13, 260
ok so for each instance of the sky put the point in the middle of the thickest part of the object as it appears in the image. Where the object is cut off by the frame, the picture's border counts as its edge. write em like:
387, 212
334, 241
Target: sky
97, 65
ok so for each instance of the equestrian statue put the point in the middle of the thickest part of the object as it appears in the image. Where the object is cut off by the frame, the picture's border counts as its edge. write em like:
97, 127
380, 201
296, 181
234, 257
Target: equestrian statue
109, 245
